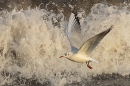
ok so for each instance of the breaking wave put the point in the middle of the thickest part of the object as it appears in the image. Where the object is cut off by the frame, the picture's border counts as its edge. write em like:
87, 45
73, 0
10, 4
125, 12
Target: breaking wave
32, 40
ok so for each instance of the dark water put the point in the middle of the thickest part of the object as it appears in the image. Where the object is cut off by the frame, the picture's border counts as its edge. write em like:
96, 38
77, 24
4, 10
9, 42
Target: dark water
99, 80
57, 5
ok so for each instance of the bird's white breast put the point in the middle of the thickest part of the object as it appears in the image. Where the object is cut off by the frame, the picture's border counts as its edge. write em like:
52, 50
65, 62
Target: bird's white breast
79, 58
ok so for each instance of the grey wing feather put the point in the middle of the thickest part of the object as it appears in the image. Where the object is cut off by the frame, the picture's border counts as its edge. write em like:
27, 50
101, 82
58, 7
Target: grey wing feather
74, 49
91, 43
73, 25
74, 32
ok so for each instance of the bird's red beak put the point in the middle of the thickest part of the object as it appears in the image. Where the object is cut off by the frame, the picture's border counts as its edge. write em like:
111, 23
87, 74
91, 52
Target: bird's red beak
61, 56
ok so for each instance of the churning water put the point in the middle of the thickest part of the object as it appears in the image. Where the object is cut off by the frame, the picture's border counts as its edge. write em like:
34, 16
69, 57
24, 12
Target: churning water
32, 40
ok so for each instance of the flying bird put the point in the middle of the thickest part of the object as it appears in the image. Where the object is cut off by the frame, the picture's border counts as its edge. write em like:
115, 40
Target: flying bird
80, 51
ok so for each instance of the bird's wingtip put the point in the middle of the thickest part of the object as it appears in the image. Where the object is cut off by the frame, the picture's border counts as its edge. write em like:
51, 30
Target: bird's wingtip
111, 27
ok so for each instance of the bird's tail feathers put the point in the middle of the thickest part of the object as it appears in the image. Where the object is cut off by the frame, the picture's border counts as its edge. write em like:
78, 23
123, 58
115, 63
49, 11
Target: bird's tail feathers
93, 60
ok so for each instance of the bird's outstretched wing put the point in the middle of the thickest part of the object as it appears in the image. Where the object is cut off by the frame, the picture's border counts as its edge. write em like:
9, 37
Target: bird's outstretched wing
74, 32
91, 43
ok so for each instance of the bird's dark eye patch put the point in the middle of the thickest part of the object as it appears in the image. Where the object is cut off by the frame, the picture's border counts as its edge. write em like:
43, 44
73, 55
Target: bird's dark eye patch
66, 54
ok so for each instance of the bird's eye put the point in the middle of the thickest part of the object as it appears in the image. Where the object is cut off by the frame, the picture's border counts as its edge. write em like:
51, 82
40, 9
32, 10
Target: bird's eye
66, 54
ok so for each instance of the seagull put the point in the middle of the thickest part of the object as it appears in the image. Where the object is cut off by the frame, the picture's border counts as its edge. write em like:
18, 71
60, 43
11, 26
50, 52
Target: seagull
80, 51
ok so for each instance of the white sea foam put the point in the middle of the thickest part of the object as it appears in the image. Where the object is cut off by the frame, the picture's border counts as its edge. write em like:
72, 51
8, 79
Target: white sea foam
30, 45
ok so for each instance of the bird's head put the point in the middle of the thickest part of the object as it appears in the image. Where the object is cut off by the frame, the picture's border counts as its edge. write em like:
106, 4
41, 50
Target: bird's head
66, 55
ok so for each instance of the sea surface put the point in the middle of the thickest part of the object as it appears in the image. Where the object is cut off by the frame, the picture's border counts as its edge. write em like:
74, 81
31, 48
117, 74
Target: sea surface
32, 37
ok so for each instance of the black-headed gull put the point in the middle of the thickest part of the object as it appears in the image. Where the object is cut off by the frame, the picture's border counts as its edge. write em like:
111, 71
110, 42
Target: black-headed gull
80, 51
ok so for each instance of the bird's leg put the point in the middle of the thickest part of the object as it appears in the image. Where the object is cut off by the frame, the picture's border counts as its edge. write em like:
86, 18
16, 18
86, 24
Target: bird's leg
88, 65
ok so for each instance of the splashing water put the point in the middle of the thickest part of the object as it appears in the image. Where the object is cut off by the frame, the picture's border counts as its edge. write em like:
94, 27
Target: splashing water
30, 45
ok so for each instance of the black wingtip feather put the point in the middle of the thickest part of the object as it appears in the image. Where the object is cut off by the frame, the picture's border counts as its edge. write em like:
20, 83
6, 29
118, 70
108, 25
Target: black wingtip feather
106, 31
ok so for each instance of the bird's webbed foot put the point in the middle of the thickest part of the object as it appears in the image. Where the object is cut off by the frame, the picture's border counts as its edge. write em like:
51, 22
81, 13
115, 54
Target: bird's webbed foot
88, 65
